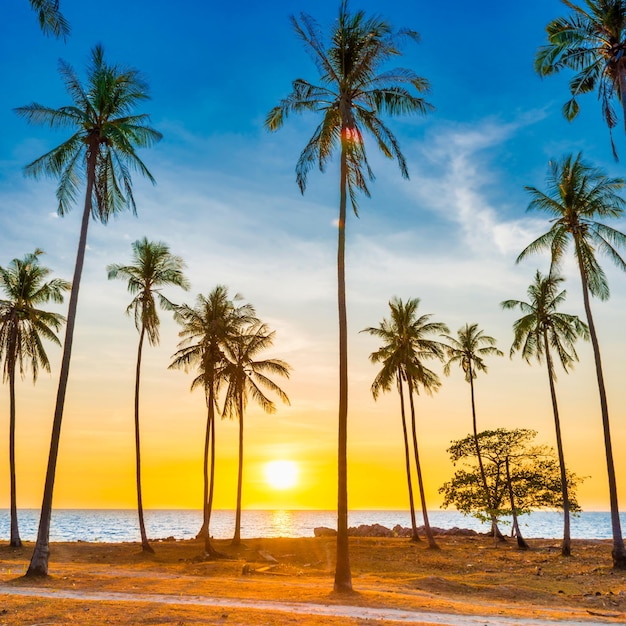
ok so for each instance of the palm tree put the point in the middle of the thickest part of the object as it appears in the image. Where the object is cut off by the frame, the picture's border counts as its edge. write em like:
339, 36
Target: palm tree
246, 378
51, 19
106, 135
404, 335
22, 327
352, 95
541, 327
153, 266
592, 42
407, 345
577, 195
214, 322
467, 350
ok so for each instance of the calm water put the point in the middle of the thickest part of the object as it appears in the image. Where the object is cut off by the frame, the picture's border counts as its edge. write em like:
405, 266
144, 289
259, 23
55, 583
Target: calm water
121, 525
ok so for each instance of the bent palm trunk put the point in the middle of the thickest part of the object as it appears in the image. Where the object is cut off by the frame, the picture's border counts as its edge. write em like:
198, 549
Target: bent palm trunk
15, 541
619, 550
237, 536
566, 547
39, 561
145, 545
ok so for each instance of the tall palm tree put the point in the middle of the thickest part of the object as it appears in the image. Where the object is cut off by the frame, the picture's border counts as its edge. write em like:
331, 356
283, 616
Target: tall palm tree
577, 196
351, 96
246, 378
103, 148
404, 336
207, 328
22, 326
153, 267
467, 350
541, 327
51, 19
591, 42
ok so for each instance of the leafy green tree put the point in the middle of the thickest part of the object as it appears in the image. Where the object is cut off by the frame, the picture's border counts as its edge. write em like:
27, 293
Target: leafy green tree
23, 325
351, 96
212, 323
541, 330
247, 377
50, 17
103, 150
153, 266
531, 480
406, 343
577, 196
591, 42
467, 350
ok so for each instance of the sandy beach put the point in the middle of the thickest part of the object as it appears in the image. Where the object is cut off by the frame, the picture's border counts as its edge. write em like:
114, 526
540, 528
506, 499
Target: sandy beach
469, 581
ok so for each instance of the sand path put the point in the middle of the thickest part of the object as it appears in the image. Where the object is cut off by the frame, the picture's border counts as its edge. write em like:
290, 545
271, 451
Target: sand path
355, 612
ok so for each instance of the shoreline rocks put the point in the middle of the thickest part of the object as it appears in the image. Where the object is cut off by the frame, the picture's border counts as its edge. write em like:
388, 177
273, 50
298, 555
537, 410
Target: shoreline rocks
377, 530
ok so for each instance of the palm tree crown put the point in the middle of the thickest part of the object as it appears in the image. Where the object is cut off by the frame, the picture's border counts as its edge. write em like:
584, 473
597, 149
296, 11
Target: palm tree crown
22, 323
591, 42
352, 94
51, 19
468, 350
578, 194
540, 315
105, 138
152, 267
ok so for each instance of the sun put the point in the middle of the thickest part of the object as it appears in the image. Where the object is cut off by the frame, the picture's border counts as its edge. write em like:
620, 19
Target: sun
281, 474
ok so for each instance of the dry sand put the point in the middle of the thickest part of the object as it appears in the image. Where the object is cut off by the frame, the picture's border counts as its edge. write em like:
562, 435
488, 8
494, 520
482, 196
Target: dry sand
470, 582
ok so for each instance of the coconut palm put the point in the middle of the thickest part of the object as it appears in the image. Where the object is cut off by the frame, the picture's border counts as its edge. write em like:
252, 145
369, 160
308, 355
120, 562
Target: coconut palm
577, 196
246, 378
22, 326
541, 328
51, 19
351, 96
591, 42
103, 149
207, 327
404, 336
467, 350
153, 267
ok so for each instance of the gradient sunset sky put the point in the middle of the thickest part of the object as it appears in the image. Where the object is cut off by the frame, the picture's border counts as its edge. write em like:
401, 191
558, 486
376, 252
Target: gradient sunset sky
226, 200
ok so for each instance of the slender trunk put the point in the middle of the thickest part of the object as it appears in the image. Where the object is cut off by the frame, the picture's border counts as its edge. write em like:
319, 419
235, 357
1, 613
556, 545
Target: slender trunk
566, 547
407, 459
237, 536
15, 541
343, 575
145, 545
39, 560
204, 530
208, 546
619, 550
495, 531
427, 529
521, 542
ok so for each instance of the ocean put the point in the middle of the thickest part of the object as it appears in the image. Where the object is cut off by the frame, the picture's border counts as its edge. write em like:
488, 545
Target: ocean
121, 525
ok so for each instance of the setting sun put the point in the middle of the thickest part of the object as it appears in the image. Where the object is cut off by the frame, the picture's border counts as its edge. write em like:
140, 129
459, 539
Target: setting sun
281, 474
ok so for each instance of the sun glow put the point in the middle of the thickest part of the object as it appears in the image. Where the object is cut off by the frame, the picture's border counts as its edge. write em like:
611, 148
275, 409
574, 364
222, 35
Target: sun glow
281, 474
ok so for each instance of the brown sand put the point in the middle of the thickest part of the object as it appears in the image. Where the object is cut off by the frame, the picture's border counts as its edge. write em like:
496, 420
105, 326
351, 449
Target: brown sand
471, 576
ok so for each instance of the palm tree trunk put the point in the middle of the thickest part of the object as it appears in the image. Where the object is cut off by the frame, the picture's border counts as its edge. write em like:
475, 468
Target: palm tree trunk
495, 531
566, 547
145, 545
427, 529
39, 561
407, 458
619, 550
343, 575
237, 536
521, 542
15, 541
202, 533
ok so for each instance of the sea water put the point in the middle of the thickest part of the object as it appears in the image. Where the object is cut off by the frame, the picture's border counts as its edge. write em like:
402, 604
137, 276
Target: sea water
121, 525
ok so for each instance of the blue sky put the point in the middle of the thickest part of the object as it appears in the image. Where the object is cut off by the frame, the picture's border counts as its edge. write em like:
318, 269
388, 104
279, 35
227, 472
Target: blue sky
226, 200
